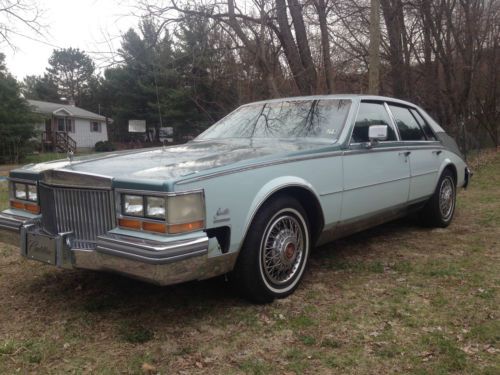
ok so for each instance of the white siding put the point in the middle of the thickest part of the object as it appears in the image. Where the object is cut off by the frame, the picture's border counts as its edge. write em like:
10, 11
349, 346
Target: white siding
84, 137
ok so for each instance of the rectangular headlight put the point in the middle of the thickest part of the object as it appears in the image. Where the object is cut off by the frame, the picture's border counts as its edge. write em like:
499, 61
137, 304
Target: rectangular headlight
20, 191
155, 207
32, 193
133, 205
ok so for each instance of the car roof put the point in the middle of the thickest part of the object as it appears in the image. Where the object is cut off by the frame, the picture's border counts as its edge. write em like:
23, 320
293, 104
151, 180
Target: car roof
358, 97
335, 96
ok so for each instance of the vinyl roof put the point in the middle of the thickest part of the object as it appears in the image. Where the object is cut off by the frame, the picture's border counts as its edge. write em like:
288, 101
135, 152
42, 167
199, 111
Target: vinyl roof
49, 108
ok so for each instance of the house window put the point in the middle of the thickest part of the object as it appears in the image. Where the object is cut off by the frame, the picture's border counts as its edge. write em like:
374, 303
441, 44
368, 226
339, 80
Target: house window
95, 126
65, 125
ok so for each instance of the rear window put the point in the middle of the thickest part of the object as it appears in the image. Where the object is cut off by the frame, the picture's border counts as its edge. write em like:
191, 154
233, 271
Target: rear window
424, 125
408, 127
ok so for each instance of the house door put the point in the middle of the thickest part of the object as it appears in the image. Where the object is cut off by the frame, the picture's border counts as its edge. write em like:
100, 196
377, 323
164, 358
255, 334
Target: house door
48, 126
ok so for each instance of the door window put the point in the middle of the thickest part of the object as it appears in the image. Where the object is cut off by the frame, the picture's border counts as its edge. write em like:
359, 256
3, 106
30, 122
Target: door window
408, 127
371, 114
65, 125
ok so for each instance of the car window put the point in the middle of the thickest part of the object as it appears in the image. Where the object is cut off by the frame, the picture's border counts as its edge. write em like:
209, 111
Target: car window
285, 119
371, 114
408, 127
318, 119
424, 125
238, 124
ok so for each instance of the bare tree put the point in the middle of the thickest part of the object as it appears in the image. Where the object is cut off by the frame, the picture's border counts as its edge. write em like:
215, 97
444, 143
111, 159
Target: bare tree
19, 17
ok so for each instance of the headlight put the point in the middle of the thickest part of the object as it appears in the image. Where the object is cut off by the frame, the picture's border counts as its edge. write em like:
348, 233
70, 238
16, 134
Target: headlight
20, 191
133, 205
24, 197
163, 214
25, 192
155, 207
32, 193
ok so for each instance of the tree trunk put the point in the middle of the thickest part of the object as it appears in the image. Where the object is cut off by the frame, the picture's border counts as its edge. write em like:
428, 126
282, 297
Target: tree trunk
290, 48
325, 45
394, 32
303, 44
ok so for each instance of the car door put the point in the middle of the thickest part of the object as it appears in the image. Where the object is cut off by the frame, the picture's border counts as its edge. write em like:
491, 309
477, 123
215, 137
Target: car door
425, 150
376, 178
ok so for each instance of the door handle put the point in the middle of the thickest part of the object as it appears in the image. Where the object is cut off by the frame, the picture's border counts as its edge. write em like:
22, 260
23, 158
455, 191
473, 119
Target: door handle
405, 153
437, 152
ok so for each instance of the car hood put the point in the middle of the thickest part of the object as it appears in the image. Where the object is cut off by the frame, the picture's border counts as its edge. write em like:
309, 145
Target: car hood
175, 162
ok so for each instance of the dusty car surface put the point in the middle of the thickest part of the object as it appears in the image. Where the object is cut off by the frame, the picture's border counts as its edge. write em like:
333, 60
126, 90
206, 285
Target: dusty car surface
251, 196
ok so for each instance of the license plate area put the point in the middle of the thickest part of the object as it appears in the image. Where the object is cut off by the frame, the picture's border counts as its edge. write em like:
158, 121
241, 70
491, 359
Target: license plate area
41, 247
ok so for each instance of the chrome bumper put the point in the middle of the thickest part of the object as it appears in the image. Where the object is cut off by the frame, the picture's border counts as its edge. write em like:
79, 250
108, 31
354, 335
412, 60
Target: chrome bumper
12, 222
162, 263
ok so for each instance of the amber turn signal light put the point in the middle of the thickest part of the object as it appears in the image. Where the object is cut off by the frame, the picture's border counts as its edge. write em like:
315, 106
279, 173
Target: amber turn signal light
154, 227
129, 224
144, 225
30, 207
187, 227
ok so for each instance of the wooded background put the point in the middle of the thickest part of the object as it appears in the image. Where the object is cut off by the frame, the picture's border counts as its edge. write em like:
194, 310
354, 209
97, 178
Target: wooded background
188, 63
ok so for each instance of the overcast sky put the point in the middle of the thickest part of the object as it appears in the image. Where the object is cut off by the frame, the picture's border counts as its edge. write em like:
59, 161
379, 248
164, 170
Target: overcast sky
84, 24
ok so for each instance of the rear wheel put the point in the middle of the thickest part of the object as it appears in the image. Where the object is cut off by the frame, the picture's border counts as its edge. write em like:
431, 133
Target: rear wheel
439, 210
274, 255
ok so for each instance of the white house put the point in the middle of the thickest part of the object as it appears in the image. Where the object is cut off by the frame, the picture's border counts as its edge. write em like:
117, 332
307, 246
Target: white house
67, 127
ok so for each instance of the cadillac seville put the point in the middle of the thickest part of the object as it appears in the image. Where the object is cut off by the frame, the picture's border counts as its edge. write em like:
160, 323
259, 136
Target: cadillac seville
249, 197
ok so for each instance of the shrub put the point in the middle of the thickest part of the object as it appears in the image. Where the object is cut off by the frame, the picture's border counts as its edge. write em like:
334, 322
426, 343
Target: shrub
103, 146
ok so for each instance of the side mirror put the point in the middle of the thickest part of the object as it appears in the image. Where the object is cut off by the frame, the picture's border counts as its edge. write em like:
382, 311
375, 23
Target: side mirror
377, 133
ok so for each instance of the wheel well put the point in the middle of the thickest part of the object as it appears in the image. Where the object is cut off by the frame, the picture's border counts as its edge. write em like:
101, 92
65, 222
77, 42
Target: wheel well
311, 206
453, 170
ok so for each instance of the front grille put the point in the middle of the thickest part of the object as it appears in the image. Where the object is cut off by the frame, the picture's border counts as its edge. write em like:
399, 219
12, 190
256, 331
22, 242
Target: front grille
87, 213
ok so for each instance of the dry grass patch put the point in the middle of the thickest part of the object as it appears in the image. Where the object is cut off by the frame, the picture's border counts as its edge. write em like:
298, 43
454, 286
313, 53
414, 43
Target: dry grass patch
396, 299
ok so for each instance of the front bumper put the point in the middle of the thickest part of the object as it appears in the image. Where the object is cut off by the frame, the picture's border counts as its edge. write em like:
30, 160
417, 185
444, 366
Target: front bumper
12, 222
161, 262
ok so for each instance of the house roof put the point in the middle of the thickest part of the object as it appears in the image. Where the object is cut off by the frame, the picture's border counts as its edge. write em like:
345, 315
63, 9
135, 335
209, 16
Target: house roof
48, 108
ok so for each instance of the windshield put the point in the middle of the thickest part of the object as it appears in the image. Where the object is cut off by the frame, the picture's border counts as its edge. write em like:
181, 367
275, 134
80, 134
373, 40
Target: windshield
287, 119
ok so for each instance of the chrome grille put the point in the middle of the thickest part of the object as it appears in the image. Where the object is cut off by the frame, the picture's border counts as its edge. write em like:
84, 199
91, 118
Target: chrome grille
87, 213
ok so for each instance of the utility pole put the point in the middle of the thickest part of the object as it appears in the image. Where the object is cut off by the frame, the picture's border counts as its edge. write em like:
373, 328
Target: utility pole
374, 63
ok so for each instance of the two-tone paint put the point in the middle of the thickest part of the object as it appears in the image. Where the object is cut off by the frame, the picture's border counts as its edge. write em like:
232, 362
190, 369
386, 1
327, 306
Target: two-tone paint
343, 186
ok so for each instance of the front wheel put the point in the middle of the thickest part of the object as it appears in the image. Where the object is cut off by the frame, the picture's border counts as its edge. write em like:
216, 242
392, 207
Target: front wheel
274, 254
439, 210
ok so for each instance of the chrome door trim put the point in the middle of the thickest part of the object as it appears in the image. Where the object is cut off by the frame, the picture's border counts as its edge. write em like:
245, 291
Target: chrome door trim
393, 119
376, 184
393, 148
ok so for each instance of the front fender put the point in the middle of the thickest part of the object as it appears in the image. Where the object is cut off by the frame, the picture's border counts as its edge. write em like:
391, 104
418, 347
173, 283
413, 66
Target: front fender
272, 187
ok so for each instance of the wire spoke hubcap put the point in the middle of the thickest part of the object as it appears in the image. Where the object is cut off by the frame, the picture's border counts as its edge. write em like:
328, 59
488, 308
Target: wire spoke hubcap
283, 249
446, 198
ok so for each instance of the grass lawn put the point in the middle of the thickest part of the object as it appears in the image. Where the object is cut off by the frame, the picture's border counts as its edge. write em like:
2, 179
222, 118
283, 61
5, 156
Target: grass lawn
4, 196
396, 299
